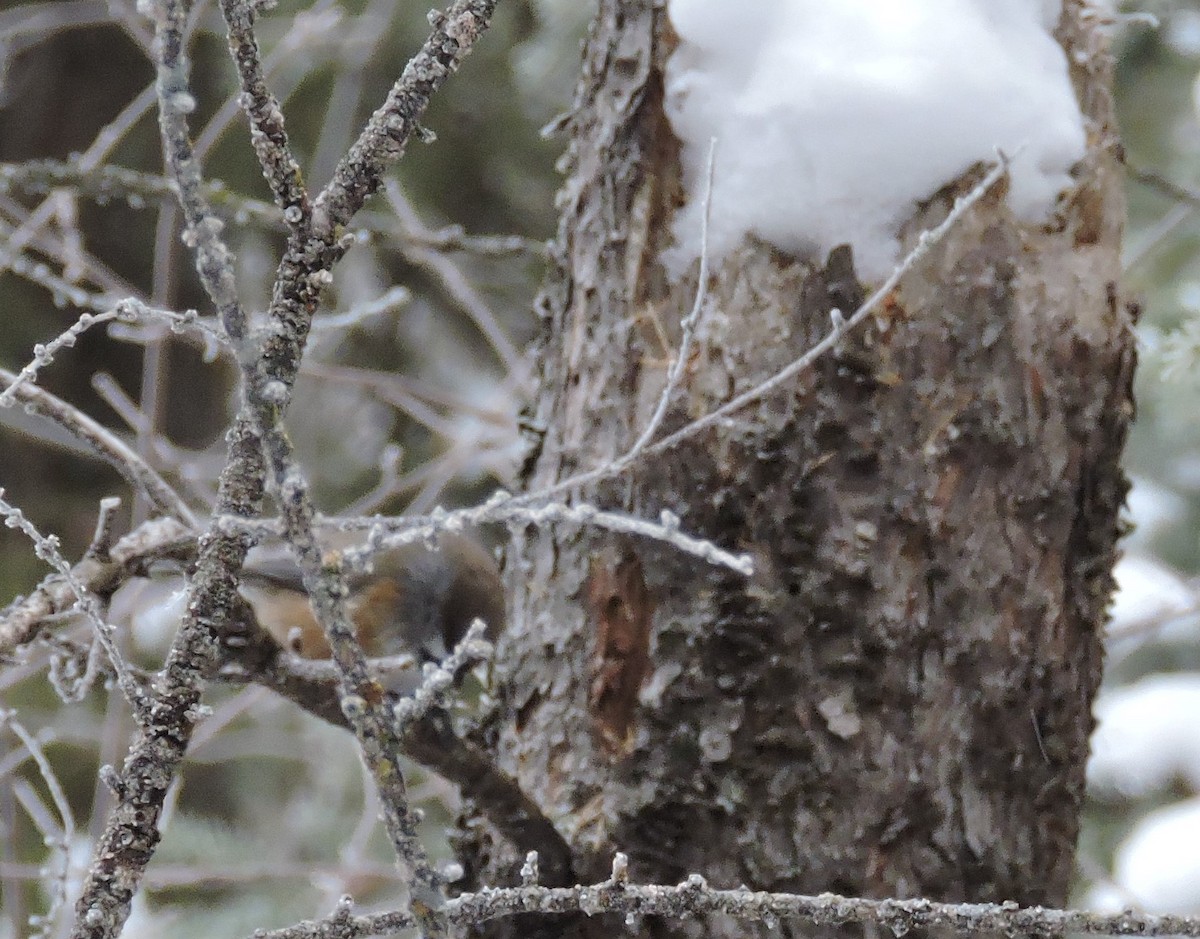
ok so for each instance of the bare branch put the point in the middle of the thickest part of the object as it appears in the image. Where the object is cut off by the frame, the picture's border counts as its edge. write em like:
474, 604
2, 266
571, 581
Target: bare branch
46, 548
266, 117
139, 474
382, 142
694, 897
502, 507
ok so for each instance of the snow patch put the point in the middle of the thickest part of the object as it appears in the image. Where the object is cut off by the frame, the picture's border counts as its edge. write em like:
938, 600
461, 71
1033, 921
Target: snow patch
1158, 864
1148, 737
834, 119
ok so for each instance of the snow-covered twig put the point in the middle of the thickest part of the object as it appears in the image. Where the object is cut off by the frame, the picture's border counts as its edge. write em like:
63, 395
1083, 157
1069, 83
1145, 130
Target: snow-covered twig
46, 548
694, 897
439, 678
58, 838
503, 507
128, 310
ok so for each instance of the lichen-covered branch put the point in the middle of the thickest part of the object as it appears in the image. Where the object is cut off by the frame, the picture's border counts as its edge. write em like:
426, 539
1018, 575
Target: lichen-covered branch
694, 897
266, 117
383, 140
268, 373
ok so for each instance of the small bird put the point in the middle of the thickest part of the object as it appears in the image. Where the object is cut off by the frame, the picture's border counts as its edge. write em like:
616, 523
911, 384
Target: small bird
414, 600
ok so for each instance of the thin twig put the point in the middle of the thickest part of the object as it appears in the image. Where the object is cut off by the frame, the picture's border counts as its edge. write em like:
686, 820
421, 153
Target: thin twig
390, 300
108, 182
438, 680
59, 841
110, 448
128, 310
46, 548
429, 740
688, 326
382, 142
388, 532
1167, 187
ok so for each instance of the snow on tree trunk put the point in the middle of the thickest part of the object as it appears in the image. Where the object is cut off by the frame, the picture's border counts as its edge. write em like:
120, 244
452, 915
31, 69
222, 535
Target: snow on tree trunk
898, 702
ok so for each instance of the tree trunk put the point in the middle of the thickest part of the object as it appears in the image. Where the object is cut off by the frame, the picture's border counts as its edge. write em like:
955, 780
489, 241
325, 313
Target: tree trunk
898, 702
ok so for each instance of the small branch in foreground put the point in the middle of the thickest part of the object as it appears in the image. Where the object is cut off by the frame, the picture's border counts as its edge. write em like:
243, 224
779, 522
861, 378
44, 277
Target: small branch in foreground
439, 679
694, 897
505, 508
46, 548
128, 310
21, 620
107, 182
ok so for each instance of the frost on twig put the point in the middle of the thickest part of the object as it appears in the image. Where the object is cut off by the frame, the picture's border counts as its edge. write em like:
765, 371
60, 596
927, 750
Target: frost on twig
505, 508
46, 548
502, 507
57, 836
387, 302
694, 897
136, 471
439, 677
128, 311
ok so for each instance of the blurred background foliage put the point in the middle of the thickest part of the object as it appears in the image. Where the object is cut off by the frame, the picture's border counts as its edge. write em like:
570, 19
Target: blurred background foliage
414, 402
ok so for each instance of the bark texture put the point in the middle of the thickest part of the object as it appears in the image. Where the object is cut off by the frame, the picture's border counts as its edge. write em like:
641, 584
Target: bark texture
899, 701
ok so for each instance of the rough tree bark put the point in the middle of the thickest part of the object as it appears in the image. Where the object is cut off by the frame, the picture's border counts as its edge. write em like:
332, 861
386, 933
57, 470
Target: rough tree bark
899, 701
